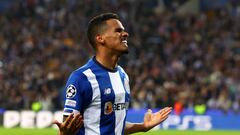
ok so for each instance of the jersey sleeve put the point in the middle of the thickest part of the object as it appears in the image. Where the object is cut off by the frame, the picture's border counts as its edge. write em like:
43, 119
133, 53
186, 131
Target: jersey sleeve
77, 94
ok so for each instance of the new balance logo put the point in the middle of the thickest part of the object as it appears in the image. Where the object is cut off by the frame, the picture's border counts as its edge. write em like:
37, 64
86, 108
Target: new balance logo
107, 91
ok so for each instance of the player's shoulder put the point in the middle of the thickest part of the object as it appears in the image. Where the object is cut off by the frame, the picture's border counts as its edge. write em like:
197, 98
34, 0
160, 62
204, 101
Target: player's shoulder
122, 72
80, 71
121, 69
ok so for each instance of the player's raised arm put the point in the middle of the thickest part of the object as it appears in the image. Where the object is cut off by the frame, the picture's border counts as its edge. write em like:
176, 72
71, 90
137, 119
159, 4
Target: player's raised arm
150, 121
70, 125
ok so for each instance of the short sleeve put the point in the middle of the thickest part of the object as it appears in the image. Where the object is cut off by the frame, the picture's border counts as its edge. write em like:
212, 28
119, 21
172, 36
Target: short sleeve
76, 91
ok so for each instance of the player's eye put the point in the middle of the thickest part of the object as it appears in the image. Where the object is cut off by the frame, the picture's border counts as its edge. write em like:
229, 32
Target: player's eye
119, 30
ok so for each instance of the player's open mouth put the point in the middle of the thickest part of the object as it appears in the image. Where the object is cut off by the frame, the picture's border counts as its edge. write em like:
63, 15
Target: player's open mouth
125, 42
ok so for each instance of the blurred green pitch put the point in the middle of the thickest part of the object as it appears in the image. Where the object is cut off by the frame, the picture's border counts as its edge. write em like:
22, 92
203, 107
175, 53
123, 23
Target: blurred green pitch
50, 131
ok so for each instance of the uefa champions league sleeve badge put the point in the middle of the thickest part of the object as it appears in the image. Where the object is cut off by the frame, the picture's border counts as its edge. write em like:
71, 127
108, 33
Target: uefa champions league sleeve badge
71, 91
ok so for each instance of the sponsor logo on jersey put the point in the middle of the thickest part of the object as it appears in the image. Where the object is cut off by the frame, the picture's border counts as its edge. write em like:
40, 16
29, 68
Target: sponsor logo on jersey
109, 107
71, 103
71, 91
120, 106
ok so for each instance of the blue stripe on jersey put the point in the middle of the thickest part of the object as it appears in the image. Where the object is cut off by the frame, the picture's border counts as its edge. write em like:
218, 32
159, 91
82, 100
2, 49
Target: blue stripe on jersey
107, 124
85, 93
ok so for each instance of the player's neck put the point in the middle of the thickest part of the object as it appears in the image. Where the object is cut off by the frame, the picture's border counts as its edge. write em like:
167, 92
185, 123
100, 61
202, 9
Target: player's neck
108, 61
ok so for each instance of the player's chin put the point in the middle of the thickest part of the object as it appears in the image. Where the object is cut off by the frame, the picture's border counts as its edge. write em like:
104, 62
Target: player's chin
125, 51
124, 48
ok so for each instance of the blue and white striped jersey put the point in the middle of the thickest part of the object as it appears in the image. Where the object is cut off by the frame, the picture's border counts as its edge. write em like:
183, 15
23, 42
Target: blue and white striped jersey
101, 96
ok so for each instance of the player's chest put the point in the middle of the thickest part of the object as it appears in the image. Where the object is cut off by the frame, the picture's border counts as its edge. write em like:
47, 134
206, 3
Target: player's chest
113, 87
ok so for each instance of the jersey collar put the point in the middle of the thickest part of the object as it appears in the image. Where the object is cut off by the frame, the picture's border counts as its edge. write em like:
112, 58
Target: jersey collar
99, 64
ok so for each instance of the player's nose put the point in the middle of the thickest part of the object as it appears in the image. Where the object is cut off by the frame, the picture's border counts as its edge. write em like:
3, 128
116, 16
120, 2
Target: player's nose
125, 34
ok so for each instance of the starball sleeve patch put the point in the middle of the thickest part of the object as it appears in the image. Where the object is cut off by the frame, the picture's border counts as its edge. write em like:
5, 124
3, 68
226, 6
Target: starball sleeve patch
71, 91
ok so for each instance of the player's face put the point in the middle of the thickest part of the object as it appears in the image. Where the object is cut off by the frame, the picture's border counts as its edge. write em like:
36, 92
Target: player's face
115, 37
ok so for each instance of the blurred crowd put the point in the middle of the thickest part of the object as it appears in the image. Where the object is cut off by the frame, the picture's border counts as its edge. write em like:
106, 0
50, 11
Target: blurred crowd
174, 60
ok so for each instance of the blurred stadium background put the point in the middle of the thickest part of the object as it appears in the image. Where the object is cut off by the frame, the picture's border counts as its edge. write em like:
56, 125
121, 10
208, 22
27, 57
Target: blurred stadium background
183, 53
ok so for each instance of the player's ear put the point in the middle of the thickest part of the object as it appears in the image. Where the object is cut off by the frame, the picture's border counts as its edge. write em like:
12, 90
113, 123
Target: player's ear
99, 39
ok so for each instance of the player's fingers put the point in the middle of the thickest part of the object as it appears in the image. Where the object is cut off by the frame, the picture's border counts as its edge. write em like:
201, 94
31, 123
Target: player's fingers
165, 110
57, 123
148, 115
168, 110
163, 113
74, 121
166, 113
79, 122
68, 120
164, 118
160, 112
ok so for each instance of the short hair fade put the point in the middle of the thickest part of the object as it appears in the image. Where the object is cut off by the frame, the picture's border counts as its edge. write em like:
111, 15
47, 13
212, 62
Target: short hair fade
96, 26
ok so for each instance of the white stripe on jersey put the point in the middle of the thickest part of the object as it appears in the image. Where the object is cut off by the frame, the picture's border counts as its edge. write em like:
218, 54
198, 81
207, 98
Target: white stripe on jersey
93, 113
119, 98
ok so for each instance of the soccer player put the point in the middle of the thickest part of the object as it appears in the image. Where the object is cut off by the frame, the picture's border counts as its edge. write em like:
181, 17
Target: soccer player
98, 93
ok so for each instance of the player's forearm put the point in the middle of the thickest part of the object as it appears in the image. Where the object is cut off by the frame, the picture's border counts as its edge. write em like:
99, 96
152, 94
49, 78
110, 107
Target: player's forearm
134, 127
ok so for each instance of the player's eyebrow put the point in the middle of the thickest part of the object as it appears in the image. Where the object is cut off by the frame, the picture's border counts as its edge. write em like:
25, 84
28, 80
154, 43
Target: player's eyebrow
119, 29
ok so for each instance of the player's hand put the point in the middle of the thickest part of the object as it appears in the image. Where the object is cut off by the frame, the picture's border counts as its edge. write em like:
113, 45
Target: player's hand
153, 119
71, 125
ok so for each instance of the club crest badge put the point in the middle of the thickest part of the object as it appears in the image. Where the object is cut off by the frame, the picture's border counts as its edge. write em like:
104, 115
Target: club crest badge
108, 108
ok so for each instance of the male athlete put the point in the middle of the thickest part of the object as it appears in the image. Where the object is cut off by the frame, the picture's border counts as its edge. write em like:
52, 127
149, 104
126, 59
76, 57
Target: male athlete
98, 93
